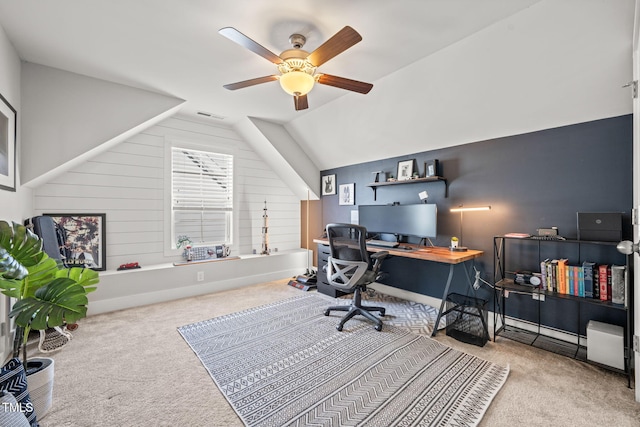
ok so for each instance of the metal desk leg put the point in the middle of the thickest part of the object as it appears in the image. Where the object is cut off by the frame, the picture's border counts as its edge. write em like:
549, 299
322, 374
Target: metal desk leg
444, 298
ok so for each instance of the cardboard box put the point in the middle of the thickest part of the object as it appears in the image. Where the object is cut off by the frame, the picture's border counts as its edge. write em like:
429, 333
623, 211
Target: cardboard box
605, 344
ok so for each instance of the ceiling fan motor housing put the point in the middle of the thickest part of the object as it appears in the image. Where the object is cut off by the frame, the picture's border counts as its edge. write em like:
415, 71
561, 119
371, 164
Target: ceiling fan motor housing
297, 40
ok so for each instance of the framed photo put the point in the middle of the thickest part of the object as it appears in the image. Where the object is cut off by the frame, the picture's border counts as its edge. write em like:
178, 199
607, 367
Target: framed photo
84, 239
8, 122
430, 168
405, 170
348, 194
329, 185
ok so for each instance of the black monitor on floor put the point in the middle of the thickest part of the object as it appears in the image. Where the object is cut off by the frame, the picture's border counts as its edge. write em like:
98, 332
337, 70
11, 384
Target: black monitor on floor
407, 220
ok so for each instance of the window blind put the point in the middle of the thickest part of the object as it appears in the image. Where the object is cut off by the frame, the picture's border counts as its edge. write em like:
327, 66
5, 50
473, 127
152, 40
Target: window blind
202, 195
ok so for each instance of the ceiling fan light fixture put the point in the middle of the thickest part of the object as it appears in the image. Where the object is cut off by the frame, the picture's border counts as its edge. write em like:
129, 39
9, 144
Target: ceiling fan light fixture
297, 83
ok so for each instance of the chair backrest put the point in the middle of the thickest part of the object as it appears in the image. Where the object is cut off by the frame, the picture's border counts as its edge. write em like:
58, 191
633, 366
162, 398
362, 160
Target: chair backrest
348, 242
349, 264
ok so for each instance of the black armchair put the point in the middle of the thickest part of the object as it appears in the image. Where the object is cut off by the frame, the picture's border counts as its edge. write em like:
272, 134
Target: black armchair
350, 269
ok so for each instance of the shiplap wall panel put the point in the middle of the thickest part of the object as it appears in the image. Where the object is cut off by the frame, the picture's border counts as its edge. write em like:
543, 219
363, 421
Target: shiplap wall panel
127, 184
93, 180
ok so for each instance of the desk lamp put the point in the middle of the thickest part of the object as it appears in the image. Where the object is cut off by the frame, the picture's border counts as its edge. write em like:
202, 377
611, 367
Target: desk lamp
462, 210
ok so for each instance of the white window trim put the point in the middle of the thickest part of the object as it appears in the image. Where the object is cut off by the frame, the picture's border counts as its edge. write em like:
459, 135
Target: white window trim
202, 145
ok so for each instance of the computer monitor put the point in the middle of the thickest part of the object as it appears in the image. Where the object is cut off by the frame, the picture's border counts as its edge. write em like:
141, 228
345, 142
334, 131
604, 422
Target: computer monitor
408, 220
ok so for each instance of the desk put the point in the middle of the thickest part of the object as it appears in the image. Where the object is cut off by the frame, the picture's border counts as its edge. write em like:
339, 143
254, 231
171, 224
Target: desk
426, 253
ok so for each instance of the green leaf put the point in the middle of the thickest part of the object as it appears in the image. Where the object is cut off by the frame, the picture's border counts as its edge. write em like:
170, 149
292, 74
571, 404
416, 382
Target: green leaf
61, 301
83, 276
10, 267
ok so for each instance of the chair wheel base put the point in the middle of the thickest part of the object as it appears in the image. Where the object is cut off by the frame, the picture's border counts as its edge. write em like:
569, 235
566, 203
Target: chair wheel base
326, 312
339, 328
378, 328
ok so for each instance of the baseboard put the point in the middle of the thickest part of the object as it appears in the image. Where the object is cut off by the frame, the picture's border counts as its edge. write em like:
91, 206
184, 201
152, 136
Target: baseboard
546, 331
404, 294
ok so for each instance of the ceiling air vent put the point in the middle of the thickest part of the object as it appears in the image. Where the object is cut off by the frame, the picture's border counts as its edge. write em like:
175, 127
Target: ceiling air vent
210, 115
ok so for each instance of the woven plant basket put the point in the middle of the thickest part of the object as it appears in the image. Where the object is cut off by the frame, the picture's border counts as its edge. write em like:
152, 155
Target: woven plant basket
40, 384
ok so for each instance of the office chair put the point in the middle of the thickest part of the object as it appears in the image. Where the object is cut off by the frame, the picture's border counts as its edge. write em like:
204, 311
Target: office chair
350, 269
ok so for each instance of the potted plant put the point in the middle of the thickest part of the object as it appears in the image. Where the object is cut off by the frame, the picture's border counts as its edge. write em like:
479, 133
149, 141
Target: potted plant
47, 294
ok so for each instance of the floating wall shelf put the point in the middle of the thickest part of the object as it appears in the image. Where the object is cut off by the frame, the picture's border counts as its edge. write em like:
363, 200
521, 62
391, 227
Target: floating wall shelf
375, 185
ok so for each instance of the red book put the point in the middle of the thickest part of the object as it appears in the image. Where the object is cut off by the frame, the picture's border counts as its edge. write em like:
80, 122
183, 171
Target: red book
602, 280
609, 290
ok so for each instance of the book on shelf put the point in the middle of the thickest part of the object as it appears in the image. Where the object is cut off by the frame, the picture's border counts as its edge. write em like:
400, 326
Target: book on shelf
544, 265
554, 275
571, 282
587, 275
618, 284
602, 281
562, 276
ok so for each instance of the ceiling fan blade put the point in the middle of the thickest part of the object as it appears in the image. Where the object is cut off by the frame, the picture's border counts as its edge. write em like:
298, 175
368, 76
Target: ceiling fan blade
300, 102
343, 83
251, 82
341, 41
236, 36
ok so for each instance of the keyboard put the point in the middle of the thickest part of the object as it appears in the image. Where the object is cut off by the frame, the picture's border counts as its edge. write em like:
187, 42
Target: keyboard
384, 243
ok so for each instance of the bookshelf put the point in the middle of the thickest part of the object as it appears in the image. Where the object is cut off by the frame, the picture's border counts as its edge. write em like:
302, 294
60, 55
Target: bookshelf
535, 314
374, 185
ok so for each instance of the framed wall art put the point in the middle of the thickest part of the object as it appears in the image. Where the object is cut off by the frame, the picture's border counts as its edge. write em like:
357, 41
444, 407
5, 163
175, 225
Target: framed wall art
328, 185
8, 122
430, 168
84, 239
348, 194
405, 170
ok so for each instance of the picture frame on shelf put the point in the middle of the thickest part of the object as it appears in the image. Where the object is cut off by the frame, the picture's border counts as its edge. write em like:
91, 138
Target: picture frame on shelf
431, 168
8, 125
328, 185
347, 194
405, 170
84, 239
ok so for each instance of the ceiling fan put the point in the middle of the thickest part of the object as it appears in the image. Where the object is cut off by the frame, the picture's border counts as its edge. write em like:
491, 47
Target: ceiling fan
297, 67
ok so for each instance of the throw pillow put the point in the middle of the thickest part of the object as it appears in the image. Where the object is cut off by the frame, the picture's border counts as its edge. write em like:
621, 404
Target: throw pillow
13, 379
10, 413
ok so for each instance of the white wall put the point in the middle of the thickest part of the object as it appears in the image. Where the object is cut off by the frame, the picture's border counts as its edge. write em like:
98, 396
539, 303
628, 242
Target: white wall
547, 66
71, 118
14, 206
127, 184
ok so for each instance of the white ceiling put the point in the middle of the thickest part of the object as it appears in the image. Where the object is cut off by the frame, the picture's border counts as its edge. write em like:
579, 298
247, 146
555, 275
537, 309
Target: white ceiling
173, 47
445, 72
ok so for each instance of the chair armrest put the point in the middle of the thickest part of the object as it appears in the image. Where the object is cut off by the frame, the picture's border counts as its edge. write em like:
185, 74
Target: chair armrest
379, 255
377, 258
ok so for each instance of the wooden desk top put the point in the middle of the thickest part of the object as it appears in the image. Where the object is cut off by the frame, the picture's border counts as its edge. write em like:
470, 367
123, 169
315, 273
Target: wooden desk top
426, 253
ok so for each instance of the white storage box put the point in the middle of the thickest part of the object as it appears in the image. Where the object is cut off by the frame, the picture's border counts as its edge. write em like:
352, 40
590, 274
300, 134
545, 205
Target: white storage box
605, 344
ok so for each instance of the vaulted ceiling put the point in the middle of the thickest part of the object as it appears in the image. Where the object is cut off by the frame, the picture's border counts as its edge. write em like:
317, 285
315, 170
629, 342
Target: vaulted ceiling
444, 72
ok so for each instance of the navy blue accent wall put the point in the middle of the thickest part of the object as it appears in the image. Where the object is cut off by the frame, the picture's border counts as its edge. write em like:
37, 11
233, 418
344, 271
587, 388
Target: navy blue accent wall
533, 180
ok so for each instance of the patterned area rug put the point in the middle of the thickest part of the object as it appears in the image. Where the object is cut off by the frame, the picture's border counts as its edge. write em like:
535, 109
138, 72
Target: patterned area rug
285, 364
414, 316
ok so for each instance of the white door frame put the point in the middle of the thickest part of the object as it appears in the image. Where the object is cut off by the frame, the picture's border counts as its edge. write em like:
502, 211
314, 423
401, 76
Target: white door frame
636, 191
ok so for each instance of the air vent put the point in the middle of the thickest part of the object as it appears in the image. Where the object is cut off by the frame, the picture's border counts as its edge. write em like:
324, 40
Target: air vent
210, 115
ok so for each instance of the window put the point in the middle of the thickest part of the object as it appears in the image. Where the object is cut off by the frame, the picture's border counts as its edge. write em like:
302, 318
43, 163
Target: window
202, 196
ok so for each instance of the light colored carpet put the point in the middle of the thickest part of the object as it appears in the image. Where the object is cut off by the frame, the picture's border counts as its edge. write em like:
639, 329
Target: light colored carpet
285, 363
132, 368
